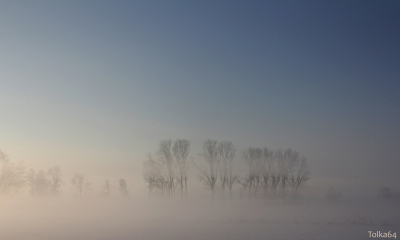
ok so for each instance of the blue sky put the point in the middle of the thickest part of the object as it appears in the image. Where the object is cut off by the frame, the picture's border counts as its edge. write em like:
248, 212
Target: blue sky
97, 84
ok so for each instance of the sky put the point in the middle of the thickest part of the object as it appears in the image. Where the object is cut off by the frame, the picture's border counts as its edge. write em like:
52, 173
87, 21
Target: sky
93, 86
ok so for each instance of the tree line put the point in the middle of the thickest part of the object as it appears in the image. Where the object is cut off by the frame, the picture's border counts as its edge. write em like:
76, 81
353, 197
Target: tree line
14, 178
267, 170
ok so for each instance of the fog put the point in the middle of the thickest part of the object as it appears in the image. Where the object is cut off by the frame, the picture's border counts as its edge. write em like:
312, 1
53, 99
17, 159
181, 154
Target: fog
267, 194
282, 119
195, 217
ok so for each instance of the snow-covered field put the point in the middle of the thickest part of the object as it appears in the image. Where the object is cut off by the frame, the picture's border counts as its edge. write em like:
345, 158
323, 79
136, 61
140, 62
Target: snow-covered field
101, 219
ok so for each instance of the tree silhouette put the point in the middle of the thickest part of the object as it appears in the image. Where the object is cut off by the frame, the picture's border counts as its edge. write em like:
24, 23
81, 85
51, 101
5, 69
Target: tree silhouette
39, 184
227, 153
267, 169
274, 169
299, 175
181, 150
211, 156
12, 176
253, 157
81, 184
153, 174
286, 161
55, 180
167, 159
161, 172
123, 189
107, 188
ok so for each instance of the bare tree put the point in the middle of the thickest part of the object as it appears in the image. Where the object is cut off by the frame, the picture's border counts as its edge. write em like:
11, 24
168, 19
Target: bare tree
55, 180
267, 168
299, 175
273, 171
81, 184
286, 162
167, 158
38, 182
227, 153
107, 188
12, 176
211, 156
181, 151
253, 157
3, 157
151, 172
155, 175
123, 188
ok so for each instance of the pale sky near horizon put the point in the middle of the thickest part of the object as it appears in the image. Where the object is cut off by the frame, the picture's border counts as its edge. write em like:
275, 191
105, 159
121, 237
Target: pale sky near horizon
96, 85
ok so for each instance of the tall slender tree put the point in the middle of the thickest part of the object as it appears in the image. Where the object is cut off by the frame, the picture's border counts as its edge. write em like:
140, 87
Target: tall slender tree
107, 189
267, 169
181, 151
152, 174
38, 182
227, 153
123, 188
253, 157
81, 184
55, 180
211, 156
286, 161
12, 176
299, 175
167, 158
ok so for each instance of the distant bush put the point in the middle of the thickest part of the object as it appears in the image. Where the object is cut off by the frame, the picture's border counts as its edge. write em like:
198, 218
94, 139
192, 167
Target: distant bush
333, 195
385, 193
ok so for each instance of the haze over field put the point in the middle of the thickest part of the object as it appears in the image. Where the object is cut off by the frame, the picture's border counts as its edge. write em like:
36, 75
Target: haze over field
94, 86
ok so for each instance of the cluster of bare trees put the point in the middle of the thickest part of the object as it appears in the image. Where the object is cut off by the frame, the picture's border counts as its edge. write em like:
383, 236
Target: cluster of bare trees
81, 184
271, 170
219, 159
268, 170
12, 176
43, 183
168, 168
108, 188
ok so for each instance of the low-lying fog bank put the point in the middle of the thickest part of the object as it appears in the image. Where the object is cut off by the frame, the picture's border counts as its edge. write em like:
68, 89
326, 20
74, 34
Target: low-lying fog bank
194, 218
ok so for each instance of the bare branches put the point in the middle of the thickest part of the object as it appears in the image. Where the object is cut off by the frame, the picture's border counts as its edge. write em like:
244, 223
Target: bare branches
299, 175
253, 158
123, 188
269, 169
38, 183
12, 176
211, 156
152, 172
81, 184
227, 153
3, 157
160, 172
181, 151
167, 158
107, 188
55, 180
